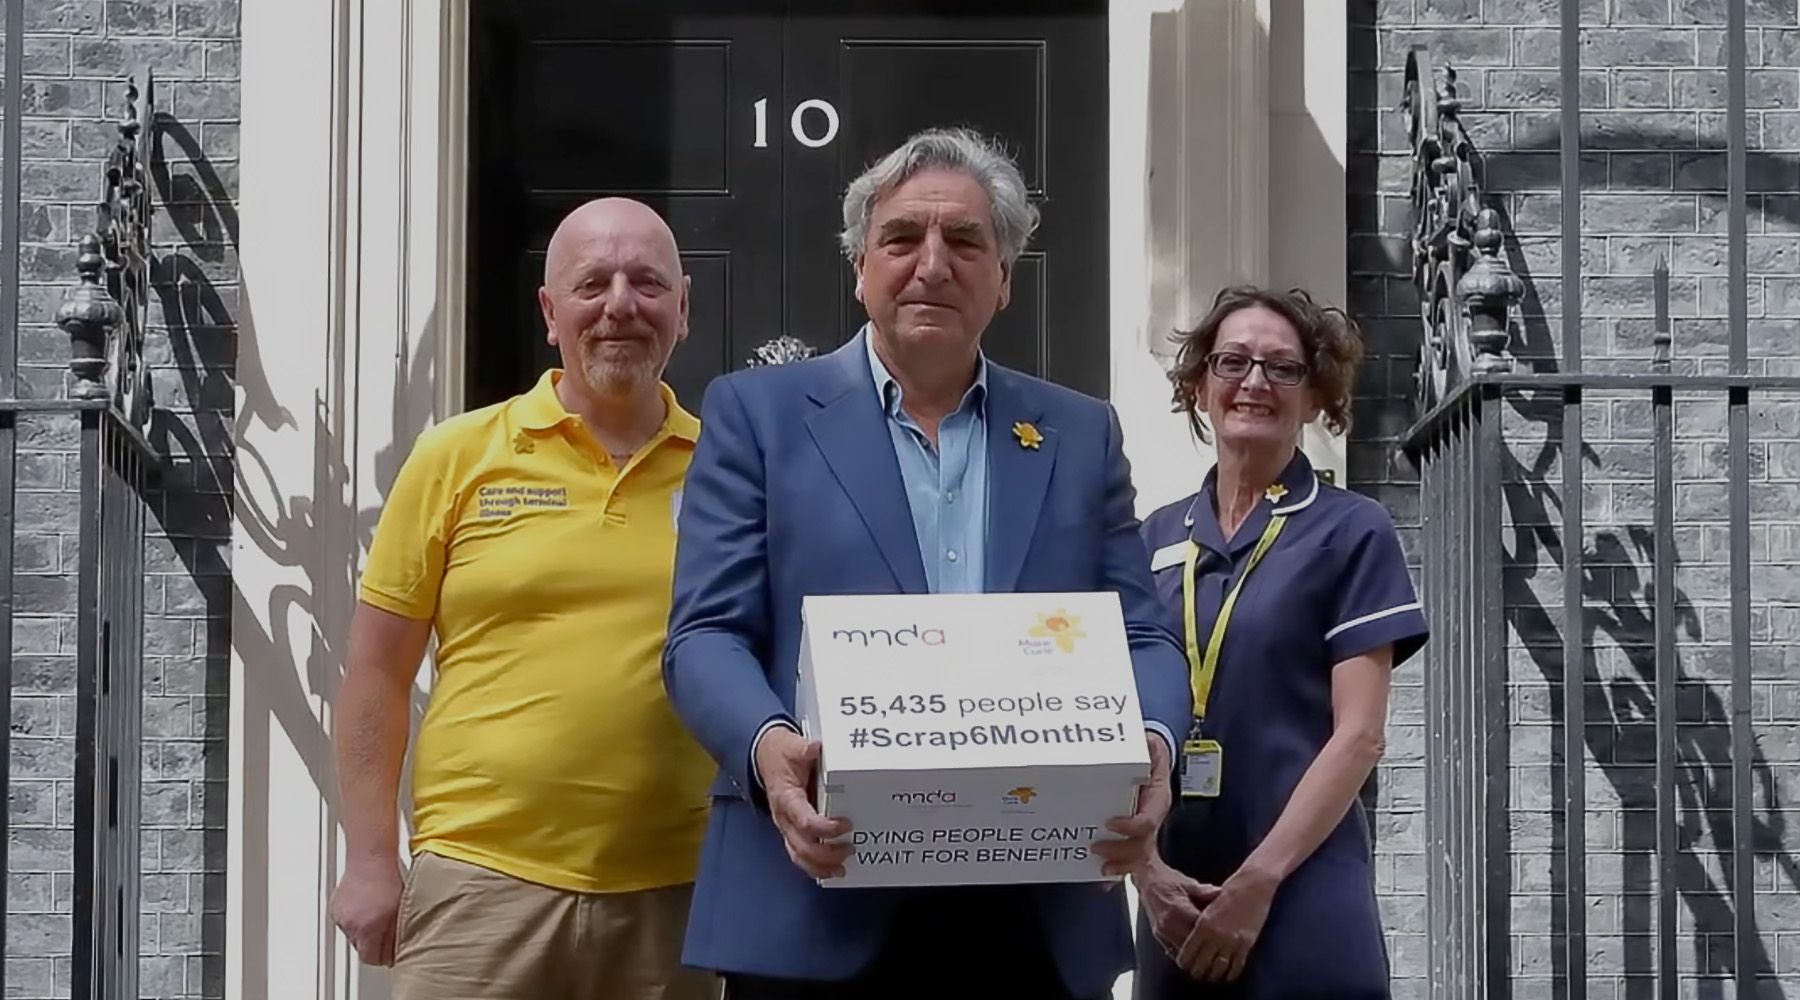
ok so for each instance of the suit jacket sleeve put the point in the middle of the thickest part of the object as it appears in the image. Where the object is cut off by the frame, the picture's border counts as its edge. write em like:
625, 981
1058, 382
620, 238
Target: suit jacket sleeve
719, 621
1157, 659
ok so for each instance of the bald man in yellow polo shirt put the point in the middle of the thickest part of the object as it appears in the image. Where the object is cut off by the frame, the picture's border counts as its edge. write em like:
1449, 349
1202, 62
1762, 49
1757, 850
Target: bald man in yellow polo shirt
558, 804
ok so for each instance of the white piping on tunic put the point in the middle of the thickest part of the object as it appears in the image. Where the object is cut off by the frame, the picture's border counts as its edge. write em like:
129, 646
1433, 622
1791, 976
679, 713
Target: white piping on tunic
1366, 619
1295, 507
1300, 505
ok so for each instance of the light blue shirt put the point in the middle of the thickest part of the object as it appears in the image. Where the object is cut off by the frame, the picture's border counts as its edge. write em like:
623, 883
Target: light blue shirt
946, 486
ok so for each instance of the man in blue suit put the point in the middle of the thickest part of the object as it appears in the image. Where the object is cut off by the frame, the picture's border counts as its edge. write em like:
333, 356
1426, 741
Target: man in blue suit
904, 462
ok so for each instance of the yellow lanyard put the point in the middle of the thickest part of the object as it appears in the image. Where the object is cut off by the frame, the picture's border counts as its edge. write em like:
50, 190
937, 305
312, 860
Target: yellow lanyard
1202, 669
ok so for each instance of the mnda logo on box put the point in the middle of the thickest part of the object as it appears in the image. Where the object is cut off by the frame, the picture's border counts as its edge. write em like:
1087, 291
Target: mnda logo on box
935, 797
911, 635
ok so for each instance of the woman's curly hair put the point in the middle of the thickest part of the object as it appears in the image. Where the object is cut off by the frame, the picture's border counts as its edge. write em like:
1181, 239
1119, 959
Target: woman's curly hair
1330, 339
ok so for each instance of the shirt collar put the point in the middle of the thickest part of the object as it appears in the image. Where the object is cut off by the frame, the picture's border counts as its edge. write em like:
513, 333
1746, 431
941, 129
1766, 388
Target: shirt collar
1294, 490
887, 388
539, 409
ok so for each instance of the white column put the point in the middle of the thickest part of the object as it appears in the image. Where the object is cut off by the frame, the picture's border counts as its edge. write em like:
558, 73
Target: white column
349, 210
1307, 145
1190, 205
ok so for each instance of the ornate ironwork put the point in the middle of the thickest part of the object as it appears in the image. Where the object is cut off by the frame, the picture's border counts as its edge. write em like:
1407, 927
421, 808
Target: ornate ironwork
107, 311
1467, 292
780, 351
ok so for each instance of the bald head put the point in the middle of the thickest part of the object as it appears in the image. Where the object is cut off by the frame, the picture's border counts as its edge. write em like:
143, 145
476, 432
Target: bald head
614, 300
620, 220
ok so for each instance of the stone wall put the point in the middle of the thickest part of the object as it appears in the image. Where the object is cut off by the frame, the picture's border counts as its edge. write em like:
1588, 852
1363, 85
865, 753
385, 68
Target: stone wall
76, 55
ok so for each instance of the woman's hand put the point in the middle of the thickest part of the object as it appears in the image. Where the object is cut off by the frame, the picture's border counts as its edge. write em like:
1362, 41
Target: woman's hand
1172, 902
1218, 947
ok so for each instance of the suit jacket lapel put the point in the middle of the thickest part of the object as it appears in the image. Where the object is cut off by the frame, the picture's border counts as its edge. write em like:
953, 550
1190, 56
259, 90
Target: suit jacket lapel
1017, 477
851, 431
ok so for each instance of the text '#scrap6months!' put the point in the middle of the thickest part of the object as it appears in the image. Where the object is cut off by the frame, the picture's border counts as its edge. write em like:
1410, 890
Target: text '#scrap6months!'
881, 737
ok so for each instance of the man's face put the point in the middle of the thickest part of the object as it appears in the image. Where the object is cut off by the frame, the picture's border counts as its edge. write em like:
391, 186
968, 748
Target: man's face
931, 275
614, 300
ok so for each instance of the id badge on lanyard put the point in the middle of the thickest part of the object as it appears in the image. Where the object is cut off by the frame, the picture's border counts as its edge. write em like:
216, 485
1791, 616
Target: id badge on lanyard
1203, 759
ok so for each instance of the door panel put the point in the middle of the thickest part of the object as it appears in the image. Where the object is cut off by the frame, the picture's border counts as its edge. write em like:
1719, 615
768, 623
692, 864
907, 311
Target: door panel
690, 107
1036, 83
900, 87
680, 145
573, 101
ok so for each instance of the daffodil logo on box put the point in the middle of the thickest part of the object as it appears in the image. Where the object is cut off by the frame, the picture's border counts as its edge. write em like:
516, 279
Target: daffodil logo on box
1020, 796
1060, 627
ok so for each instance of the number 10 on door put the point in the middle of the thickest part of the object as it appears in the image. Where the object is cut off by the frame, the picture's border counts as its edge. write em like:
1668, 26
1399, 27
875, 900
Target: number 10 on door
798, 123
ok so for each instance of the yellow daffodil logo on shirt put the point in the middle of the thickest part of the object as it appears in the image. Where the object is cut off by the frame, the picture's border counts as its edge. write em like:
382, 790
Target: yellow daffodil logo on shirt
1028, 434
1275, 492
1059, 627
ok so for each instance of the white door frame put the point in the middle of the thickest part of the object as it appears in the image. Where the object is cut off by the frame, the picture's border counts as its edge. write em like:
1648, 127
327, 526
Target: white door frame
350, 343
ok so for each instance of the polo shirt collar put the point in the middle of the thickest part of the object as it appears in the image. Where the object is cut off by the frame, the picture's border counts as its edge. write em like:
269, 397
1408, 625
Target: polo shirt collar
539, 409
887, 388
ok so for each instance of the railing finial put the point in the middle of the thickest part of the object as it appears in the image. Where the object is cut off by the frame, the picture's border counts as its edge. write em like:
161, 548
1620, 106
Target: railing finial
89, 315
1487, 293
1662, 340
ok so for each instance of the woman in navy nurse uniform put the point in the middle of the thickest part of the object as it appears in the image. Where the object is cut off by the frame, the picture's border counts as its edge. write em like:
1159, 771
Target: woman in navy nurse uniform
1264, 887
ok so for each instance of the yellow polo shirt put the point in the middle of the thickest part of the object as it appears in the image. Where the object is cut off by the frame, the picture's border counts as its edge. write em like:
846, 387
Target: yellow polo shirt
548, 751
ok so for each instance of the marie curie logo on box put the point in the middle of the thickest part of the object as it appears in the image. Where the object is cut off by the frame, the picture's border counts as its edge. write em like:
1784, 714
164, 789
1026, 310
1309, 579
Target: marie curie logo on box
1055, 632
1020, 796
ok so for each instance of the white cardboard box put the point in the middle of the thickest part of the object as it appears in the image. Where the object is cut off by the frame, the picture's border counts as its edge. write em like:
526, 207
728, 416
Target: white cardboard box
972, 738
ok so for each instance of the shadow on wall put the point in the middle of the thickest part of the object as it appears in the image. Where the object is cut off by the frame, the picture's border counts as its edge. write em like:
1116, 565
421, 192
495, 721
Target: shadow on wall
209, 335
1619, 600
1619, 603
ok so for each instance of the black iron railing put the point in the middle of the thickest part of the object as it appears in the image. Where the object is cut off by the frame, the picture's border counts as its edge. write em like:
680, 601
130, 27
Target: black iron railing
1491, 522
108, 402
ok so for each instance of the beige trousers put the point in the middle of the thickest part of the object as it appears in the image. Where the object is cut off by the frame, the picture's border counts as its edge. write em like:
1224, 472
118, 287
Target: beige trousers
466, 932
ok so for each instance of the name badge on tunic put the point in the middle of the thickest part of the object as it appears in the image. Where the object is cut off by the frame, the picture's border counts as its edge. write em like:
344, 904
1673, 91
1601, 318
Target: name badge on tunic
1168, 556
1201, 769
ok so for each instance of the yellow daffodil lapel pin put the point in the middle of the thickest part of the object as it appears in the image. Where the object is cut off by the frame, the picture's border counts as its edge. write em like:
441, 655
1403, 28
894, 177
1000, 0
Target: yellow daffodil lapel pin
1028, 434
1275, 492
522, 443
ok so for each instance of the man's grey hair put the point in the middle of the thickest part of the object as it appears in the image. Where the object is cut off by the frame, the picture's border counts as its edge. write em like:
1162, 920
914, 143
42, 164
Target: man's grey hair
1015, 217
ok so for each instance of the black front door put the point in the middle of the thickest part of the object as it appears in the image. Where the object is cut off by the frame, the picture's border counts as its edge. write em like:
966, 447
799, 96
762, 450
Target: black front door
742, 123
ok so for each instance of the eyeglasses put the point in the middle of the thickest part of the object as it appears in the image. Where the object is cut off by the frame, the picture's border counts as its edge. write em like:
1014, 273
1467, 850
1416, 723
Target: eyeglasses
1233, 366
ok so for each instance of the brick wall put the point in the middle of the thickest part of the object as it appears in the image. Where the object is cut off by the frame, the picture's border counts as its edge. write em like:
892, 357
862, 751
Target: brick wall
76, 55
1653, 183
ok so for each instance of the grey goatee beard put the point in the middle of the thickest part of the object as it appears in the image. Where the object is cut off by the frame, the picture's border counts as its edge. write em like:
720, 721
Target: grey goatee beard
613, 375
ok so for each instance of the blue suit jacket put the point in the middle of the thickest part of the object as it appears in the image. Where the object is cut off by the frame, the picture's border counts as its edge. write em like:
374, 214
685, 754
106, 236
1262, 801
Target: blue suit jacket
795, 490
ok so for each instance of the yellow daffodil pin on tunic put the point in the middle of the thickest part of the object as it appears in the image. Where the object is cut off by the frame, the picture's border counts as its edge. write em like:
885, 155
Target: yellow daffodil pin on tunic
1028, 434
1275, 492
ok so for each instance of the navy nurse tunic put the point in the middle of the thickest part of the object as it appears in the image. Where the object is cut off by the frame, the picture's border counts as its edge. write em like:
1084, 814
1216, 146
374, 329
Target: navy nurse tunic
1332, 586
